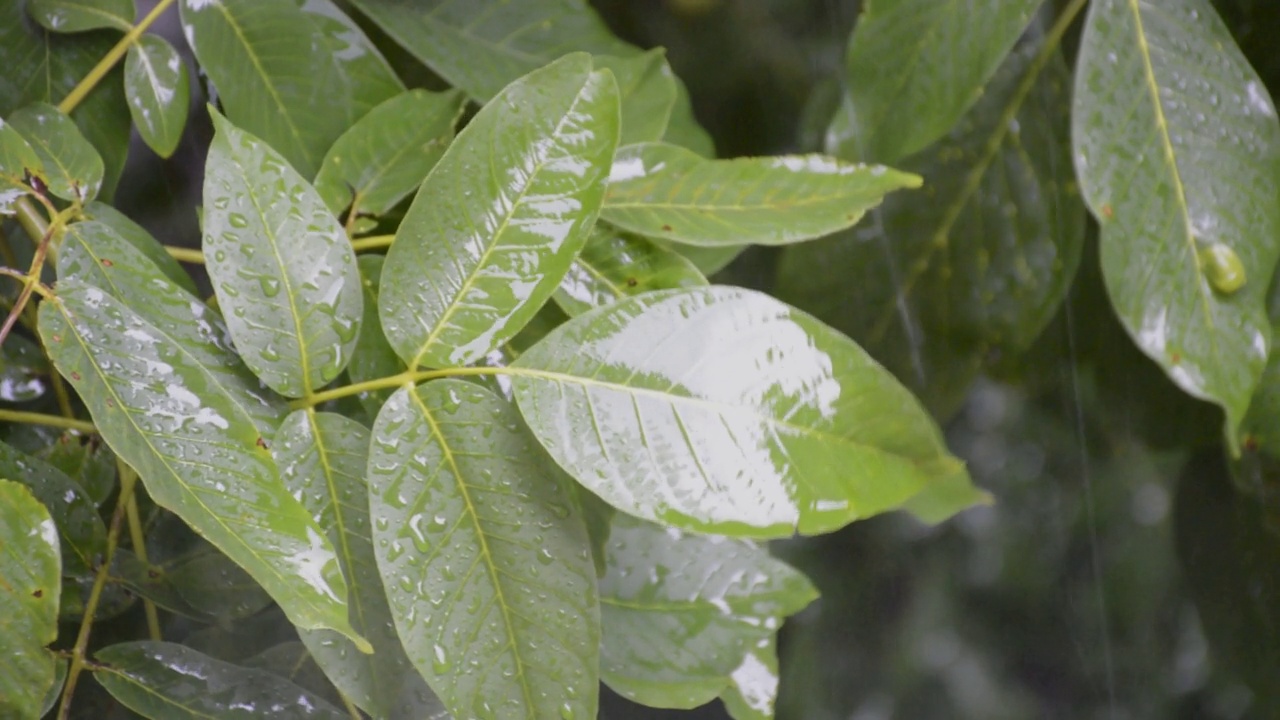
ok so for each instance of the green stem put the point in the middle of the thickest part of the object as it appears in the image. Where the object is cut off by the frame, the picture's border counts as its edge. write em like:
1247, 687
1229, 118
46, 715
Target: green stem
400, 380
373, 242
108, 61
127, 484
139, 547
32, 418
186, 255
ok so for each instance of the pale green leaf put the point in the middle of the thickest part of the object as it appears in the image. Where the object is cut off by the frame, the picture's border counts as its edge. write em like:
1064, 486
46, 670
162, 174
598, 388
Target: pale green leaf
159, 92
54, 694
281, 266
615, 265
69, 16
82, 533
496, 224
74, 167
142, 240
682, 613
166, 681
754, 683
18, 164
322, 459
365, 75
914, 67
195, 447
723, 410
483, 556
29, 594
387, 153
647, 93
1176, 144
664, 191
373, 357
708, 260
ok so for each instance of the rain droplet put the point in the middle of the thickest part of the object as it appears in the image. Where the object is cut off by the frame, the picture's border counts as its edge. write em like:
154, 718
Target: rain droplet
440, 663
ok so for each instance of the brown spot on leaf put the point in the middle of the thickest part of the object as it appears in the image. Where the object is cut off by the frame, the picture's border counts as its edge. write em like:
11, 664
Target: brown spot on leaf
107, 263
1250, 443
1175, 358
75, 375
632, 282
1107, 212
38, 594
262, 443
153, 573
666, 228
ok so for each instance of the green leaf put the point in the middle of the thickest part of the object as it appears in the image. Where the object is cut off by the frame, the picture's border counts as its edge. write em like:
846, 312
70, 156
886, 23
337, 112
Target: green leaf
388, 152
86, 460
708, 260
96, 254
664, 191
28, 600
213, 585
194, 446
22, 370
18, 163
83, 536
683, 128
482, 45
681, 613
976, 264
914, 67
373, 356
142, 240
723, 410
497, 223
614, 265
483, 557
74, 168
281, 266
322, 459
1169, 183
54, 692
295, 76
159, 92
69, 16
647, 93
151, 582
169, 681
754, 686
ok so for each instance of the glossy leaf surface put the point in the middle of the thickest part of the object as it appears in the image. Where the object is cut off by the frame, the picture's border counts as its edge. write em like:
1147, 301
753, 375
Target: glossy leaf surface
497, 223
322, 459
914, 67
1168, 182
664, 191
69, 16
29, 597
195, 448
18, 161
82, 536
373, 357
96, 254
387, 153
22, 370
140, 239
86, 460
167, 680
482, 45
681, 613
615, 265
159, 92
647, 91
484, 558
723, 410
753, 687
72, 166
295, 76
284, 271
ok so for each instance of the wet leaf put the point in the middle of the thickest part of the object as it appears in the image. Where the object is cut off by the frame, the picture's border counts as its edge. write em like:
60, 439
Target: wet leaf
18, 162
281, 266
69, 16
213, 585
373, 356
483, 557
647, 93
74, 168
322, 459
86, 460
295, 76
151, 582
615, 265
1165, 180
497, 223
140, 239
82, 534
754, 684
28, 600
913, 68
664, 191
723, 410
387, 153
159, 92
167, 680
291, 661
96, 254
682, 613
23, 368
194, 446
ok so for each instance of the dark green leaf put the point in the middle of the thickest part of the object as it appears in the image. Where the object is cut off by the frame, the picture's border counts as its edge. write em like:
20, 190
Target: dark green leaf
215, 586
484, 558
647, 92
159, 92
83, 536
194, 446
86, 460
166, 681
283, 269
22, 370
497, 223
69, 16
723, 410
664, 191
373, 357
291, 661
29, 597
387, 153
914, 67
55, 690
1174, 187
151, 582
142, 240
614, 265
18, 162
73, 166
708, 260
683, 128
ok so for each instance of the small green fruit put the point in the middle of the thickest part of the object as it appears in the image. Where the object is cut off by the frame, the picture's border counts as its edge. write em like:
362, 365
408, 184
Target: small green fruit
1223, 268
